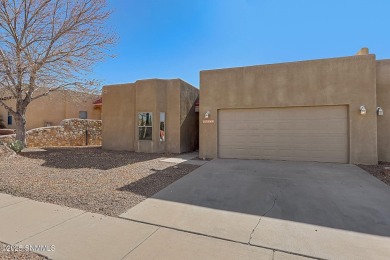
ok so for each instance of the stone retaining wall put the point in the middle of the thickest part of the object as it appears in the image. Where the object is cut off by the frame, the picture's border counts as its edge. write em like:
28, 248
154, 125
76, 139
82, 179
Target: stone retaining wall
70, 132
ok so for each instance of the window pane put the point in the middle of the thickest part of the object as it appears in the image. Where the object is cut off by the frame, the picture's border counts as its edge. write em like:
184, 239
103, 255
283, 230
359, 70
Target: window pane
145, 133
145, 119
83, 115
9, 119
162, 126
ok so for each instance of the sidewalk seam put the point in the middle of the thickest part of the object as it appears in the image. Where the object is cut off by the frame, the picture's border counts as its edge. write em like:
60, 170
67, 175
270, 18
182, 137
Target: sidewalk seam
14, 203
143, 241
220, 238
50, 227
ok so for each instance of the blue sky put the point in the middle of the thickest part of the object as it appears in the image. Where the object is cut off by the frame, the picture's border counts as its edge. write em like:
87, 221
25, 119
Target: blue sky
179, 38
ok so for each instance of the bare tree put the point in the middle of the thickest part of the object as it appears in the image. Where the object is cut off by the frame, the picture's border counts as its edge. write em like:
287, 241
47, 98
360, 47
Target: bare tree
48, 45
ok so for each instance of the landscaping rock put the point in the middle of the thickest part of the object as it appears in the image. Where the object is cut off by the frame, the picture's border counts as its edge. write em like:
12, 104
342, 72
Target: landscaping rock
71, 132
380, 171
6, 152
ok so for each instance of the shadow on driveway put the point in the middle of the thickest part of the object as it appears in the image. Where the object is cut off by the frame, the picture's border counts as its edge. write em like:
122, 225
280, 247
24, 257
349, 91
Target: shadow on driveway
338, 196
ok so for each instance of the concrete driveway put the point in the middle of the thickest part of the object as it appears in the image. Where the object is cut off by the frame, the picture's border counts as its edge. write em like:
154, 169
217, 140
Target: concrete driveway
320, 210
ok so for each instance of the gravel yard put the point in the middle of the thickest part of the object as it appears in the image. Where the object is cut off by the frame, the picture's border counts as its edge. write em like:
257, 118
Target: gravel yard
91, 179
379, 171
6, 153
6, 255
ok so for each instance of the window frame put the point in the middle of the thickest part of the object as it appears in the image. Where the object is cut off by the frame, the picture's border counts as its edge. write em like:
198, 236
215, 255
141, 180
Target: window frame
163, 138
10, 119
86, 114
145, 126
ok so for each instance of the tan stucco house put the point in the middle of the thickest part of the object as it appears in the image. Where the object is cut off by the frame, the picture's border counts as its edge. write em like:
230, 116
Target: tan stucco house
52, 109
330, 110
153, 116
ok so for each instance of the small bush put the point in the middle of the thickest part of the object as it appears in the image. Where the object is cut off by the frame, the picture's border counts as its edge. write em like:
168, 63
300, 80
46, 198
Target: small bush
17, 146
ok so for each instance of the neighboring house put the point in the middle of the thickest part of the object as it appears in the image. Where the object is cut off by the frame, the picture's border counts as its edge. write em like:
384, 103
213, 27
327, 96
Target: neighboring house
153, 116
57, 106
326, 110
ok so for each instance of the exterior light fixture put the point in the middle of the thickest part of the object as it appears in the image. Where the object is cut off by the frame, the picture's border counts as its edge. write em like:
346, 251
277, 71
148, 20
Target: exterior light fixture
207, 114
363, 110
379, 111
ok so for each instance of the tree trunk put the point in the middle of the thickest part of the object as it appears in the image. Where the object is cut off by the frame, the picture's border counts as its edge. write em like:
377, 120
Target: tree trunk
21, 128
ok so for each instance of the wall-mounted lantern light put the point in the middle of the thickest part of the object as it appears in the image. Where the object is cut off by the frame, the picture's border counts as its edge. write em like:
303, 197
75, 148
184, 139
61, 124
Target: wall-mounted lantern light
207, 114
379, 111
363, 110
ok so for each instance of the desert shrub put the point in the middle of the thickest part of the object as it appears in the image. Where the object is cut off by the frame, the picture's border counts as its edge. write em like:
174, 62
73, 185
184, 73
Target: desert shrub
17, 146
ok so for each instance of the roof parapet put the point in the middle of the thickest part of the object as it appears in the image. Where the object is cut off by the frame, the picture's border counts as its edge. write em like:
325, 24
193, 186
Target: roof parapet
363, 51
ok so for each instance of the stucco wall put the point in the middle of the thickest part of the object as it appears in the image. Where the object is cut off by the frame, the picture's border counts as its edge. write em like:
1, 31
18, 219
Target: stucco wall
76, 102
50, 108
159, 96
71, 132
122, 103
383, 100
4, 115
118, 115
56, 107
172, 116
341, 81
189, 120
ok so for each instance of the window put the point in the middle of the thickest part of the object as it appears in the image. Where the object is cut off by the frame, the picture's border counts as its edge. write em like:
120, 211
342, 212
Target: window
145, 129
9, 118
83, 115
162, 127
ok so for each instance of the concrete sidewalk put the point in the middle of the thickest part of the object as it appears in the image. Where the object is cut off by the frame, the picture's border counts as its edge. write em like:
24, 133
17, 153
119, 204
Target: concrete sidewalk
186, 158
77, 234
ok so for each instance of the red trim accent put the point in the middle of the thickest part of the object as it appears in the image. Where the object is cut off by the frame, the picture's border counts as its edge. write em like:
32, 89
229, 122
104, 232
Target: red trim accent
98, 102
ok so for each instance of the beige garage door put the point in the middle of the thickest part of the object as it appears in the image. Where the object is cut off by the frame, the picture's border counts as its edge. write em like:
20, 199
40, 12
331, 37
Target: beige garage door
301, 134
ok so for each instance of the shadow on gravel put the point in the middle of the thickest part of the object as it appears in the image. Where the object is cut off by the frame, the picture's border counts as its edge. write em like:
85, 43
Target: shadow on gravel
157, 181
87, 157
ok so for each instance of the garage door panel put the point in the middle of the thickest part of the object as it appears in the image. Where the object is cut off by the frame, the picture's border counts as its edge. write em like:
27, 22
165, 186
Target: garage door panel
299, 126
260, 149
283, 139
286, 154
304, 134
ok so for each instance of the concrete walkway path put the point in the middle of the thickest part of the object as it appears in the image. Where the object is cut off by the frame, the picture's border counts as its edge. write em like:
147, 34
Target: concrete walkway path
186, 158
76, 234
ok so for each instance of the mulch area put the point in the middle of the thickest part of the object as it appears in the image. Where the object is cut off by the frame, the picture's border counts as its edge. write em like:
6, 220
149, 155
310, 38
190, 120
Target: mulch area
91, 179
379, 171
